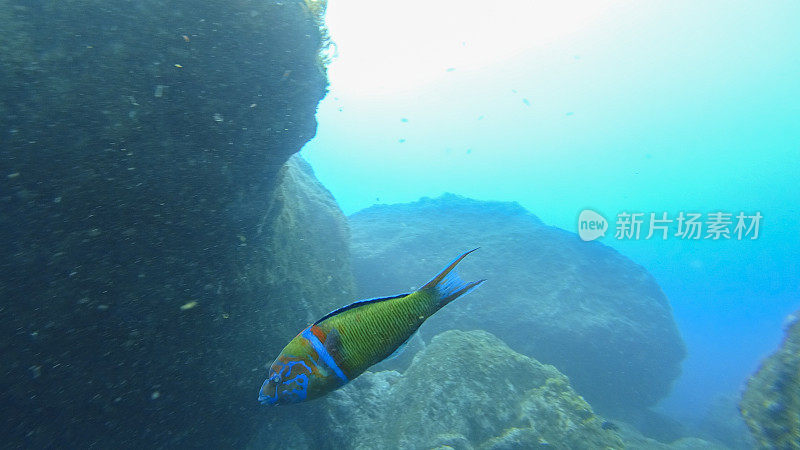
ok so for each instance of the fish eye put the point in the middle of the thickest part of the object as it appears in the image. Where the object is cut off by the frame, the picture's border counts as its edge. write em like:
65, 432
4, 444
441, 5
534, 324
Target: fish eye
275, 378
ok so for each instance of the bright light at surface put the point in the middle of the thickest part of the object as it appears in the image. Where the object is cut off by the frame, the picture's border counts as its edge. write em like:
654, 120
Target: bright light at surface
388, 46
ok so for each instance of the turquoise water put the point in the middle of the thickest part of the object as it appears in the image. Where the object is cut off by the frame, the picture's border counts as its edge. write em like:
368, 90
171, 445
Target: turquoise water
658, 107
160, 244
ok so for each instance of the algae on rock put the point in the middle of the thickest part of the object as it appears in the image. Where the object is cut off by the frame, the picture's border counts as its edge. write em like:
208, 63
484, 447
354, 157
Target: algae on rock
466, 390
303, 219
143, 287
771, 402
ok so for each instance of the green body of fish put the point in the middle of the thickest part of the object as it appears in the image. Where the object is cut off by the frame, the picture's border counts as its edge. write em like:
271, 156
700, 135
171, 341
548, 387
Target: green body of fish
343, 344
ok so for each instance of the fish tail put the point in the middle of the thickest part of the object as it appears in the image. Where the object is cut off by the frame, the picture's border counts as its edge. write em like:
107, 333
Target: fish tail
447, 285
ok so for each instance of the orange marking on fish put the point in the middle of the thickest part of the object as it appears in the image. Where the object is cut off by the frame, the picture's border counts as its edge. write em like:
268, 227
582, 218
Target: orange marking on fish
318, 333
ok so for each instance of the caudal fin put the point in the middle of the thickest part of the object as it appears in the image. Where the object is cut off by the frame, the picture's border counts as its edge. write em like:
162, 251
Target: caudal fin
448, 285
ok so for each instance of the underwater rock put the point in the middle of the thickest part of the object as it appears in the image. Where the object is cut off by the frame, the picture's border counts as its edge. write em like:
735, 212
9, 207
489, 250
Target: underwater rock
654, 425
581, 306
466, 390
155, 254
724, 423
634, 440
771, 402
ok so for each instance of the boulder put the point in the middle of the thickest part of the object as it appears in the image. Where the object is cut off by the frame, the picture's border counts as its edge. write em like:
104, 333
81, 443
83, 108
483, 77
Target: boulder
598, 317
465, 390
155, 252
770, 404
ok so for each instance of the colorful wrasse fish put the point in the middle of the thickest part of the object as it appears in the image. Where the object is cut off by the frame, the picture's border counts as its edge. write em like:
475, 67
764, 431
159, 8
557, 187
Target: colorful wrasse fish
343, 344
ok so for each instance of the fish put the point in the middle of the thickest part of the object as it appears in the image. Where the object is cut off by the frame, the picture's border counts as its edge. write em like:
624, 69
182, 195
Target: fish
344, 343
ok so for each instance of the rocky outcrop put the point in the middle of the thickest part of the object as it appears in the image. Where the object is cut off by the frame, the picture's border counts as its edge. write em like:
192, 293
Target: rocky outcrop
598, 317
155, 254
771, 402
634, 440
466, 390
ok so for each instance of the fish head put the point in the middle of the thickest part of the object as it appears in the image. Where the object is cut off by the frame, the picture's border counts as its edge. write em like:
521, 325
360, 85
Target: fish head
287, 382
299, 373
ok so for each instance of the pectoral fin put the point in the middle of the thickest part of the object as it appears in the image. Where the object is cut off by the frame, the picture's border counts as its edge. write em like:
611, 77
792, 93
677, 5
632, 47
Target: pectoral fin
401, 348
333, 342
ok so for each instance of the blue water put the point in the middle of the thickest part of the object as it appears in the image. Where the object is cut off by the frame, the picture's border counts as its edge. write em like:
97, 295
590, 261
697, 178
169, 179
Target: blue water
645, 107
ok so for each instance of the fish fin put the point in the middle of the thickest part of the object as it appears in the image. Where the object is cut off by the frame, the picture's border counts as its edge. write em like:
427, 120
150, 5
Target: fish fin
448, 285
357, 304
399, 350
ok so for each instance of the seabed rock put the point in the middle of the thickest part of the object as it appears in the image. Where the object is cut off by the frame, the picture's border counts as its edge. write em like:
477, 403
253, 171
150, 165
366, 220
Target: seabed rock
771, 402
466, 390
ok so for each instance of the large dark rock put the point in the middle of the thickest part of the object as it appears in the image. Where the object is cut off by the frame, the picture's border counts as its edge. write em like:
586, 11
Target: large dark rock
771, 402
598, 317
154, 254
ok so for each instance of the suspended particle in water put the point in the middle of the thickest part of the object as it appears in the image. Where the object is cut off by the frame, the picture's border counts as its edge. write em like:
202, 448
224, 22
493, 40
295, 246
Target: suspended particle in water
188, 305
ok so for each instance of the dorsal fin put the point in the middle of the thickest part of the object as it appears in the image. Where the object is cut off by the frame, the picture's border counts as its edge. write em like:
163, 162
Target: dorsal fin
448, 287
356, 305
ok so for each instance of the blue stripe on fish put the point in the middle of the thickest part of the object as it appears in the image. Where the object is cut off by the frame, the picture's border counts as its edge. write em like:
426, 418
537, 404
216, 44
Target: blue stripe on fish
324, 355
